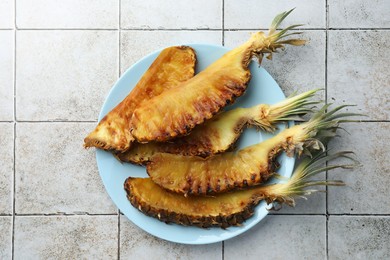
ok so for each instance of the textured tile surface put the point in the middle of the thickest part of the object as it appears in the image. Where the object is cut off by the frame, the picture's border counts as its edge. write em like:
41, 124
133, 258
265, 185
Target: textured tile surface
68, 56
358, 66
367, 187
54, 173
64, 75
7, 14
359, 14
5, 237
281, 237
185, 14
136, 244
59, 237
6, 167
254, 14
365, 237
67, 14
296, 68
136, 44
6, 75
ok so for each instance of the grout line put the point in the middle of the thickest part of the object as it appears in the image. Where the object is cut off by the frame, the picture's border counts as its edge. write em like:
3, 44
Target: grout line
14, 193
66, 29
119, 74
310, 29
6, 29
120, 36
197, 29
359, 215
14, 148
6, 215
223, 22
223, 250
119, 235
65, 214
336, 214
326, 102
55, 121
11, 121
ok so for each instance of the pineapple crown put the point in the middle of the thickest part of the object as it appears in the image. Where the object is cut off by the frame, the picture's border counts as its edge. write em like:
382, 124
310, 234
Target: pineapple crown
285, 192
277, 39
293, 107
265, 117
322, 127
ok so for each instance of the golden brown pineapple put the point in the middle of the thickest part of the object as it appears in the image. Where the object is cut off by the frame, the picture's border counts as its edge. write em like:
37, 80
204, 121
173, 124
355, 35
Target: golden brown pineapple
227, 209
176, 111
172, 66
220, 132
236, 170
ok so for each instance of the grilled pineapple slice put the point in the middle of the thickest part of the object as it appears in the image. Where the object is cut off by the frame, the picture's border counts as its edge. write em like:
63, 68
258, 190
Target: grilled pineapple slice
228, 209
173, 65
176, 111
220, 132
236, 170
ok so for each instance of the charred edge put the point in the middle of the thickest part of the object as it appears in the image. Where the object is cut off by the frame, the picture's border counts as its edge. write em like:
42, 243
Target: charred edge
222, 221
98, 144
272, 166
228, 97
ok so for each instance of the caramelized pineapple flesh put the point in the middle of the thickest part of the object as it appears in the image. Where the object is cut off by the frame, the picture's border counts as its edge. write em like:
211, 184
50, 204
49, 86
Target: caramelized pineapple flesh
221, 132
177, 111
172, 66
227, 209
247, 167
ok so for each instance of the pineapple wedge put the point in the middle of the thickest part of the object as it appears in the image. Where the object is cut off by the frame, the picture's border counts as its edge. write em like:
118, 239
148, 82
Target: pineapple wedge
172, 66
228, 209
177, 111
221, 132
248, 167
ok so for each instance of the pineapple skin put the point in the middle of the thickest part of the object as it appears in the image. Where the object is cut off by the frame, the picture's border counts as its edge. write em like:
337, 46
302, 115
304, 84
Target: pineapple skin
172, 66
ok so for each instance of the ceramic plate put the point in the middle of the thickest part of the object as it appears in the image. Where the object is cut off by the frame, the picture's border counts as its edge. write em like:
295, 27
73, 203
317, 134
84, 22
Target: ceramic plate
262, 89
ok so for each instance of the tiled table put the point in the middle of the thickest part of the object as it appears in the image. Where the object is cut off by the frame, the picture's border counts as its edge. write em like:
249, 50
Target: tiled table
58, 60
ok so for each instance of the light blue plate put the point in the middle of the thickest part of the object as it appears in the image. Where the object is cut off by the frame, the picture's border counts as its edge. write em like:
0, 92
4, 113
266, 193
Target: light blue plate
262, 89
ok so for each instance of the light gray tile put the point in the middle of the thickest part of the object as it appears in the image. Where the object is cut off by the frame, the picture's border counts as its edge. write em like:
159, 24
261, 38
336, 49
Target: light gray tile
367, 187
363, 237
281, 237
185, 14
358, 66
5, 237
137, 244
7, 14
79, 14
260, 13
136, 44
359, 14
6, 167
6, 75
296, 68
66, 237
54, 173
64, 75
